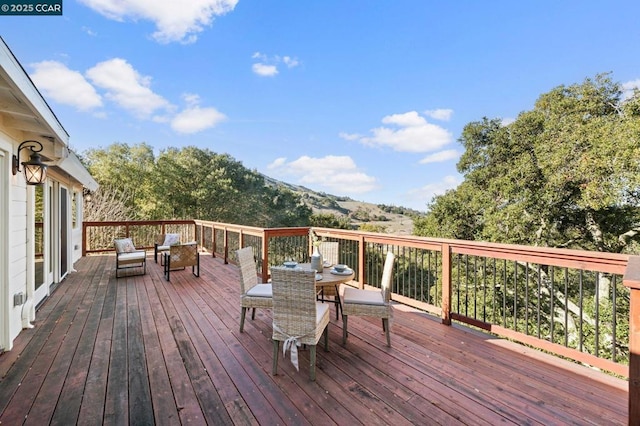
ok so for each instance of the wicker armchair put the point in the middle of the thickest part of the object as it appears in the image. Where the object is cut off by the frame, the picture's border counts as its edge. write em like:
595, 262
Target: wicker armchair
179, 257
374, 303
298, 319
252, 293
127, 256
330, 250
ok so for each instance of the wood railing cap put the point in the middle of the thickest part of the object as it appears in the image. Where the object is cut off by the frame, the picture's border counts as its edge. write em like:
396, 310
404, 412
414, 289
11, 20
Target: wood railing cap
631, 277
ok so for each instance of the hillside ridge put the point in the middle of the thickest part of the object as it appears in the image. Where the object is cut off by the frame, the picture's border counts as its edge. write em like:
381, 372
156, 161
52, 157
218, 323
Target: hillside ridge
395, 220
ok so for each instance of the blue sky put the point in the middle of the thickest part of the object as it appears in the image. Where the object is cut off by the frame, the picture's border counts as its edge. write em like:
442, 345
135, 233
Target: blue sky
363, 98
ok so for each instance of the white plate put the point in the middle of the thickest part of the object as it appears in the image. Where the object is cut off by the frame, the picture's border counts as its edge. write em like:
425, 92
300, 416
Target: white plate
345, 272
327, 265
318, 277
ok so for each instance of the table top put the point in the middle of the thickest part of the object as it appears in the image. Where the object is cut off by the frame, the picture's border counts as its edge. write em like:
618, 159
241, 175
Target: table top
328, 278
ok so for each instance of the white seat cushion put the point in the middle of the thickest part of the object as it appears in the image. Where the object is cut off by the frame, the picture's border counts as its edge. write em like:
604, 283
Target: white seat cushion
135, 255
362, 297
321, 309
260, 290
163, 248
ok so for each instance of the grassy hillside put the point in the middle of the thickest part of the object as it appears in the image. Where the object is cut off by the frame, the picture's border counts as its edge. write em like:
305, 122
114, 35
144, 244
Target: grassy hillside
393, 220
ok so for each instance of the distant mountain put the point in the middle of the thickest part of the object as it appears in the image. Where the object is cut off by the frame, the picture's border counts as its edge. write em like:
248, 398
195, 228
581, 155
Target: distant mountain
392, 219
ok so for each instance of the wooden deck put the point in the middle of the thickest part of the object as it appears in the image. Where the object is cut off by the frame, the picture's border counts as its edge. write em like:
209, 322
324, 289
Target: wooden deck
141, 350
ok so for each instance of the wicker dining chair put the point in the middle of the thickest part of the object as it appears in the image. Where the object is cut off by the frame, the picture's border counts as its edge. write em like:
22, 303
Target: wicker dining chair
298, 319
330, 251
252, 293
180, 256
374, 303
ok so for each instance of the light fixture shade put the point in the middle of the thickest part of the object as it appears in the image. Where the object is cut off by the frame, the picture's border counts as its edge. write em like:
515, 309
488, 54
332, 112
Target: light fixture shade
35, 171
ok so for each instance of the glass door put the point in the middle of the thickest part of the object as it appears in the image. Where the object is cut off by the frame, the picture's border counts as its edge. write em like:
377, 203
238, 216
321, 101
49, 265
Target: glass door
41, 289
64, 231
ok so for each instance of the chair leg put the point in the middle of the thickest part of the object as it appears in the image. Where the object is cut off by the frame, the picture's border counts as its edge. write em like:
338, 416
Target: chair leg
344, 329
195, 270
385, 327
242, 315
276, 351
312, 362
253, 314
326, 338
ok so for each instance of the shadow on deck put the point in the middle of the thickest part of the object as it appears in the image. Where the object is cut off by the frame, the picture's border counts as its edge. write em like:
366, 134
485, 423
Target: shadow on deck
141, 350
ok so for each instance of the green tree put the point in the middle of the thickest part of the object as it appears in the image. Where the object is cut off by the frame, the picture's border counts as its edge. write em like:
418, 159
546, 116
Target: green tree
565, 174
126, 171
193, 183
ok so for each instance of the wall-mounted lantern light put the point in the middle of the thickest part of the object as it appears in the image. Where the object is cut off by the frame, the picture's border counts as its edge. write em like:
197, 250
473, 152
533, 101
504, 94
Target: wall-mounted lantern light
35, 171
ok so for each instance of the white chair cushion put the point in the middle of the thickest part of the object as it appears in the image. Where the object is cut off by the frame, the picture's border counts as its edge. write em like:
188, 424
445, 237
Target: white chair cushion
136, 255
260, 290
171, 239
163, 248
362, 297
321, 309
124, 245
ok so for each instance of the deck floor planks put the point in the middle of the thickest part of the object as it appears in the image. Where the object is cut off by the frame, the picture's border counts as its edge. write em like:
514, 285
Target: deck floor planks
206, 342
165, 411
93, 403
205, 391
45, 355
186, 401
189, 326
140, 405
44, 405
526, 385
73, 389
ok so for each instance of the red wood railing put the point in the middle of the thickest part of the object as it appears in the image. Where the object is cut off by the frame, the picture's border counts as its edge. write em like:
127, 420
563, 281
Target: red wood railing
272, 246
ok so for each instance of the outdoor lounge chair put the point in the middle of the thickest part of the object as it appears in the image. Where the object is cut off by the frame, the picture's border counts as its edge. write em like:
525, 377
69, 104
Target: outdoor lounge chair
298, 319
180, 256
252, 293
162, 244
374, 303
127, 256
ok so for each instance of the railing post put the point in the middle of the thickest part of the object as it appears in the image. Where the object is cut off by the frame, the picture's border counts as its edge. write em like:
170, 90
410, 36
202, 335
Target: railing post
226, 245
213, 241
84, 239
265, 257
446, 284
362, 252
632, 281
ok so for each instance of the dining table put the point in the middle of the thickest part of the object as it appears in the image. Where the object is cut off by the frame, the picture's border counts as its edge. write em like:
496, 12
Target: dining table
329, 277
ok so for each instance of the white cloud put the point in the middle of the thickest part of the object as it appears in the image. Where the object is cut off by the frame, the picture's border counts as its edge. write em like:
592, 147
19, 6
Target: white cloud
440, 157
410, 133
175, 20
127, 88
277, 163
349, 136
265, 70
439, 114
627, 88
337, 174
196, 119
290, 62
268, 65
427, 192
65, 86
